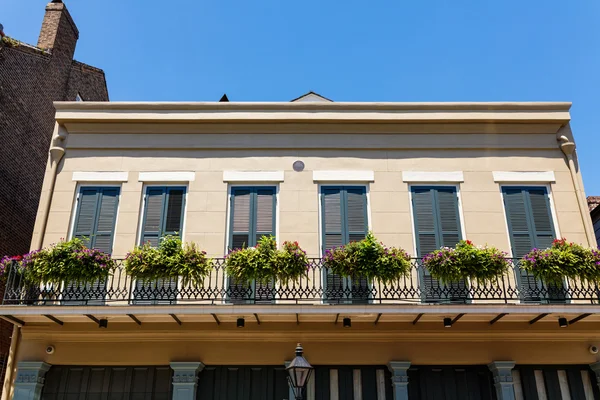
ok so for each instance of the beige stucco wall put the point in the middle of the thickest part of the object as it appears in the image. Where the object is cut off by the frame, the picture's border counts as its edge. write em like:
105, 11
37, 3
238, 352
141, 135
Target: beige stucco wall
476, 154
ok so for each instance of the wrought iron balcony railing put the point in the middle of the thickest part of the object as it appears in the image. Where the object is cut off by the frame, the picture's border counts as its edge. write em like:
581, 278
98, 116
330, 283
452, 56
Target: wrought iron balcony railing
318, 286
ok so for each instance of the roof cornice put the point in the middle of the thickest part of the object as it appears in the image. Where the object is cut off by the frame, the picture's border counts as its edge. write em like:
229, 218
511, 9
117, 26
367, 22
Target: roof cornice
524, 112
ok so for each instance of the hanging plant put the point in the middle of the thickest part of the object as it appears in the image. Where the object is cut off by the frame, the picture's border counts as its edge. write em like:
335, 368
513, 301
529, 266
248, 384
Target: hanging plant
171, 259
265, 263
562, 260
68, 261
291, 262
253, 263
467, 261
369, 259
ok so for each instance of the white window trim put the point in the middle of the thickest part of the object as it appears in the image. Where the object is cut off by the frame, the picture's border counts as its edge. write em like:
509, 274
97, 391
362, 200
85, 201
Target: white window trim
461, 214
333, 177
117, 176
253, 176
524, 177
167, 176
432, 177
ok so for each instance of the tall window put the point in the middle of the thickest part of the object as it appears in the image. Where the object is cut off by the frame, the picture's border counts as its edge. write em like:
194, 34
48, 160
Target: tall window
252, 215
344, 220
95, 219
163, 213
437, 224
530, 226
96, 216
162, 216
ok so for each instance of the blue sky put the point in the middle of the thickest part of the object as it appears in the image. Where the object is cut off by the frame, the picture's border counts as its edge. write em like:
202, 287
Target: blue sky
400, 50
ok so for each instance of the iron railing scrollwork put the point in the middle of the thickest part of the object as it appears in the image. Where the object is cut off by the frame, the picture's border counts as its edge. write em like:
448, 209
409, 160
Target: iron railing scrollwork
217, 288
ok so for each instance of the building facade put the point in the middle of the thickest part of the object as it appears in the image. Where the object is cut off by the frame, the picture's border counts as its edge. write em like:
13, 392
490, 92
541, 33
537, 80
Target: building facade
418, 175
593, 202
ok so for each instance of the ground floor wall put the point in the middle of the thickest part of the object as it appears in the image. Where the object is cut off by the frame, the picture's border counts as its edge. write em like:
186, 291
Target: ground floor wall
538, 362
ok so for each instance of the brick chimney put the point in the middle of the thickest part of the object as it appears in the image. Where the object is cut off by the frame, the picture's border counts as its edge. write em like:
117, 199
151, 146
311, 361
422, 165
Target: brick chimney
59, 33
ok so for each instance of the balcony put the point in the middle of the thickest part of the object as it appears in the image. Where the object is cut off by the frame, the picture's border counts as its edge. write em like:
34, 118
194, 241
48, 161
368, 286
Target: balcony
318, 287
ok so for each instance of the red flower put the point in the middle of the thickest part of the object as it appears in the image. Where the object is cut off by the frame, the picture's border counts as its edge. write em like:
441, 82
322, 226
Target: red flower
18, 258
469, 243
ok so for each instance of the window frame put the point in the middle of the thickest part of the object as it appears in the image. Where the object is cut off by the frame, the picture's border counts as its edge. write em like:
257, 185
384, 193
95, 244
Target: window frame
229, 221
320, 186
527, 185
75, 207
321, 230
427, 185
229, 226
142, 209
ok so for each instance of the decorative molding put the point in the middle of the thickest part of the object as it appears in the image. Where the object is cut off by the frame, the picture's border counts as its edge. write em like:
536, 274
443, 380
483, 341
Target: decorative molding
399, 370
343, 176
432, 177
167, 176
524, 177
253, 176
31, 372
503, 379
81, 176
185, 379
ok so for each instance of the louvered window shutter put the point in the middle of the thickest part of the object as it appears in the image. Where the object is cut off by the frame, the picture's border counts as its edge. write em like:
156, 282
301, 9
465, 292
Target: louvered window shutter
96, 216
530, 226
240, 218
95, 224
252, 215
437, 224
344, 220
425, 221
163, 216
333, 234
86, 214
153, 215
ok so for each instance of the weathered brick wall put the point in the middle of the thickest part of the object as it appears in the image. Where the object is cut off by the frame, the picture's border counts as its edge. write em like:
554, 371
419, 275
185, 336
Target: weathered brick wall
30, 81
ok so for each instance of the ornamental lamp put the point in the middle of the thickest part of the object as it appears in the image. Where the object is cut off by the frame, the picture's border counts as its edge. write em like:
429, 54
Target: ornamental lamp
299, 372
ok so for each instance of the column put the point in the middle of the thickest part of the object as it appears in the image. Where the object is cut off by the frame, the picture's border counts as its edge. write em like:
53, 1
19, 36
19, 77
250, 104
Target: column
30, 380
185, 379
503, 380
596, 368
399, 370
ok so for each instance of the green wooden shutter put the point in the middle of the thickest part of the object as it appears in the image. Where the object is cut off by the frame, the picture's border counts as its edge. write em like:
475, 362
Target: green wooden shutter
519, 224
95, 224
264, 225
530, 226
163, 216
240, 218
344, 219
333, 233
86, 214
449, 220
153, 215
107, 214
356, 214
425, 221
252, 215
437, 224
96, 216
175, 204
529, 219
541, 217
